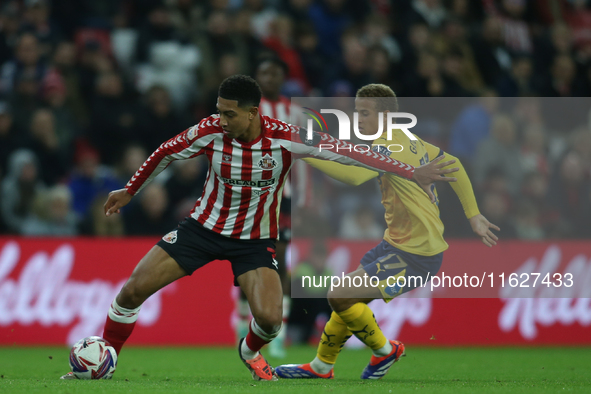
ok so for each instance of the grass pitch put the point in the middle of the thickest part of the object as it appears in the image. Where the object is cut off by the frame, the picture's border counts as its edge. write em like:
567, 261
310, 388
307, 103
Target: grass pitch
195, 370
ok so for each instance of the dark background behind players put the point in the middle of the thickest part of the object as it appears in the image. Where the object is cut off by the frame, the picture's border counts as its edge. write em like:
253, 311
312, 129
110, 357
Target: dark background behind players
86, 85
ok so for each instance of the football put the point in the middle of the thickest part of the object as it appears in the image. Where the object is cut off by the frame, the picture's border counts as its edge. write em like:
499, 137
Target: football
93, 358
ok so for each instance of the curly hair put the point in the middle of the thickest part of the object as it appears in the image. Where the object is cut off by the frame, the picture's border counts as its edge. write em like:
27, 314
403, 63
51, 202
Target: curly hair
385, 97
241, 88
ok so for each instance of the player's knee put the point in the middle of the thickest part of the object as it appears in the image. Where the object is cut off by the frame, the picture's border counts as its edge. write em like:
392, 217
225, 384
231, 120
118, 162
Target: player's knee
337, 302
269, 321
130, 296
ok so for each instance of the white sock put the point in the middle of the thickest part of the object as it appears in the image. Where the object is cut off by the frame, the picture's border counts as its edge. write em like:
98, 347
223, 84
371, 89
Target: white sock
320, 366
384, 350
123, 315
247, 354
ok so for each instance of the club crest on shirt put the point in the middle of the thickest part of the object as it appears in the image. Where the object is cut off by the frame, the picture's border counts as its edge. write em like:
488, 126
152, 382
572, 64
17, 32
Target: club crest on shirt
226, 158
267, 162
170, 237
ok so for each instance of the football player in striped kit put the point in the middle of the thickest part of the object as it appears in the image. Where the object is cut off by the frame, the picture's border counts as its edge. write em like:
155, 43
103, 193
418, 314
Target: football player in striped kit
270, 74
236, 218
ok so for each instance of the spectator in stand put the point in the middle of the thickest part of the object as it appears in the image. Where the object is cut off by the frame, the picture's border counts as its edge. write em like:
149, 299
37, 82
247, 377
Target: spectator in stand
499, 151
472, 126
428, 81
419, 40
514, 16
214, 43
381, 69
55, 95
247, 44
570, 193
27, 61
557, 41
94, 63
535, 191
520, 81
9, 28
89, 180
45, 143
310, 54
151, 215
64, 63
158, 121
354, 65
164, 57
377, 33
113, 118
534, 150
455, 74
454, 41
562, 80
281, 41
186, 16
25, 99
36, 20
133, 157
330, 20
19, 189
490, 54
97, 224
527, 222
53, 214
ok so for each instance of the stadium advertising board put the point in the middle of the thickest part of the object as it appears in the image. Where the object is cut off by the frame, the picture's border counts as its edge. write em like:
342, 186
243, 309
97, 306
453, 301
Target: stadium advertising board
55, 291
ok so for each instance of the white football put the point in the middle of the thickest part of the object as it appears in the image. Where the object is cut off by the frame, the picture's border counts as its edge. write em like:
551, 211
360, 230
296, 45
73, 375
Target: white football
93, 358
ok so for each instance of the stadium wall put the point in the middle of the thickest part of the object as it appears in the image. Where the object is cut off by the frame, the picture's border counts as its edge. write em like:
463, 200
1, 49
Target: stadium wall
55, 291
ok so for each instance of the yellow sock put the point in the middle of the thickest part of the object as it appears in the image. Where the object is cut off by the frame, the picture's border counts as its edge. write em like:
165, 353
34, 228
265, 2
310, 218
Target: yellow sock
333, 339
362, 323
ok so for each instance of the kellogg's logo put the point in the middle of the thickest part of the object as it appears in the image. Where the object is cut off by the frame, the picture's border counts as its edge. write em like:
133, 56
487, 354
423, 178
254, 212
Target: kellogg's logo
43, 293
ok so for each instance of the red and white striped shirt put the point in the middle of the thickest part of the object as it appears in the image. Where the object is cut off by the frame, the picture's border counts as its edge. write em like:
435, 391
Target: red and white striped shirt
242, 192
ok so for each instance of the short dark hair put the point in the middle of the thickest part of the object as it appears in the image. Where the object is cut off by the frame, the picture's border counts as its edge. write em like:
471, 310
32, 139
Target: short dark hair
273, 60
241, 88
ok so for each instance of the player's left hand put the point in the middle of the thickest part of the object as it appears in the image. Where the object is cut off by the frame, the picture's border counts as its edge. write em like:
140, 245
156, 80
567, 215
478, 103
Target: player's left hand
431, 172
482, 227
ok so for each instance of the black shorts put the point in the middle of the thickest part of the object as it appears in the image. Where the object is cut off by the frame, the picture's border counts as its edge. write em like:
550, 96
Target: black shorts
192, 246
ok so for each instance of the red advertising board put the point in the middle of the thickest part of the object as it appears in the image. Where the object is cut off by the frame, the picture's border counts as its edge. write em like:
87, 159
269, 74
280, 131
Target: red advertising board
55, 291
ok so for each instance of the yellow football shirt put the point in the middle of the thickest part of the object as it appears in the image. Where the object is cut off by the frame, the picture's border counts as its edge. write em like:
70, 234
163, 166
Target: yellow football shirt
413, 221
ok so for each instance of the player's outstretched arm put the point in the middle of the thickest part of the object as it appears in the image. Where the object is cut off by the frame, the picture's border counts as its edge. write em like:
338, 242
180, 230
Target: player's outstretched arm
351, 175
117, 199
434, 171
482, 227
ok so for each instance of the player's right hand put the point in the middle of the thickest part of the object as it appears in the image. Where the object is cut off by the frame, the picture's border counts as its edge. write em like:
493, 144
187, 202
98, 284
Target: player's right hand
117, 200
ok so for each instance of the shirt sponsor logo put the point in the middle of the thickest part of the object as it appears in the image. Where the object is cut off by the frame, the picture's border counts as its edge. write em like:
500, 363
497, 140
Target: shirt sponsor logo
243, 182
267, 162
382, 149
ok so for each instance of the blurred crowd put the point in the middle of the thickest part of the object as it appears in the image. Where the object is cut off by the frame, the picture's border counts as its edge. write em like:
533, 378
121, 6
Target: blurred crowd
88, 89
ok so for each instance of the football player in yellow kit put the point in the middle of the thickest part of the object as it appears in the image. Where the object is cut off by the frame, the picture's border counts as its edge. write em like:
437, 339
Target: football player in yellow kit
413, 243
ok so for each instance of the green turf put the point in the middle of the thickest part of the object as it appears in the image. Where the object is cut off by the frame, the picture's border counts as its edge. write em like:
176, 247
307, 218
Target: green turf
194, 370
